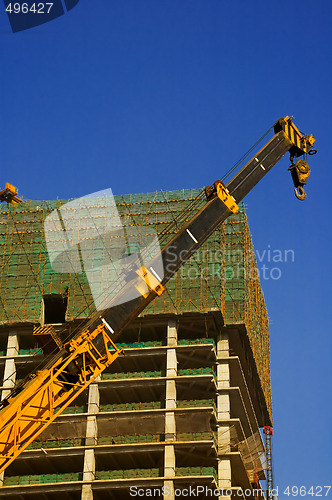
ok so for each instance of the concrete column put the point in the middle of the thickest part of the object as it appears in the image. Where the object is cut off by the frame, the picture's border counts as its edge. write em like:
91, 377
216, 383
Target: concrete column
171, 363
170, 404
9, 376
171, 371
170, 394
224, 438
93, 408
169, 472
91, 435
223, 374
169, 490
224, 476
91, 439
169, 461
87, 493
224, 413
172, 333
93, 398
170, 430
223, 345
223, 406
89, 465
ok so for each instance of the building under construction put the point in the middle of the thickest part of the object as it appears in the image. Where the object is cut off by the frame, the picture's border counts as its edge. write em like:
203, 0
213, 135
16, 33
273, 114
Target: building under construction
184, 407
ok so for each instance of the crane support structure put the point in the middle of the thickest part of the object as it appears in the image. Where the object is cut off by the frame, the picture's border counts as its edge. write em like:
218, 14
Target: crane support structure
268, 431
34, 404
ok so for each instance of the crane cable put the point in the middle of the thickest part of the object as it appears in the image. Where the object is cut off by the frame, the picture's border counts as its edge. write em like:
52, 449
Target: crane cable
245, 155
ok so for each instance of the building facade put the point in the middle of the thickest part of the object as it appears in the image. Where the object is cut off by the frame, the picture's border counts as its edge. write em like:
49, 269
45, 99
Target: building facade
180, 413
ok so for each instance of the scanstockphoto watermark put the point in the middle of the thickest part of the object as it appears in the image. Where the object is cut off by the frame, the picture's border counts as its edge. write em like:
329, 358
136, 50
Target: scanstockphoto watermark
199, 490
224, 263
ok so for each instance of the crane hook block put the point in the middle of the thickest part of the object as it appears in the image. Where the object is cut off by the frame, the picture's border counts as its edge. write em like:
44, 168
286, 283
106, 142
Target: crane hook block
300, 172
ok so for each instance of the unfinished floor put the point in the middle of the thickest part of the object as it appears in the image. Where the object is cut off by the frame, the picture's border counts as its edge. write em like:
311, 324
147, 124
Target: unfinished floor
180, 409
183, 408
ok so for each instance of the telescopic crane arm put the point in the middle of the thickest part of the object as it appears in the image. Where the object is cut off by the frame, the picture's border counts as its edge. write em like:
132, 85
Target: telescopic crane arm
35, 404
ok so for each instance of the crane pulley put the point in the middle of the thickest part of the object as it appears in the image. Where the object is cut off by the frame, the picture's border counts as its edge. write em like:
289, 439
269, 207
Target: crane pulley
302, 144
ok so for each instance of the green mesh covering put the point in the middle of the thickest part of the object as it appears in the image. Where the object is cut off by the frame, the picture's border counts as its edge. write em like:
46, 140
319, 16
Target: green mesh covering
222, 275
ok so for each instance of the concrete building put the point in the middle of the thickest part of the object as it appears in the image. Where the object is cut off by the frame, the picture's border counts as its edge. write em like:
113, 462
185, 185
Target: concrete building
184, 407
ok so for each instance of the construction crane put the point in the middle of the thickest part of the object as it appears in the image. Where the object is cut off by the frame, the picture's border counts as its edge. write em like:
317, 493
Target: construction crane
36, 402
9, 194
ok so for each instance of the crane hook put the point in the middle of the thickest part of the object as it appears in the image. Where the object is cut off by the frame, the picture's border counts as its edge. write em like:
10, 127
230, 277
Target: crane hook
300, 193
300, 172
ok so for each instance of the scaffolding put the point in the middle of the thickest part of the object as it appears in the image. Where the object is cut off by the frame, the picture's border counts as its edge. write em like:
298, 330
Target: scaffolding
221, 276
244, 299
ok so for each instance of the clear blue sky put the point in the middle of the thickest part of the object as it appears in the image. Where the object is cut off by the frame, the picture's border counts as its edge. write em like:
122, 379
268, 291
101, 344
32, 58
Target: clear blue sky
143, 95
